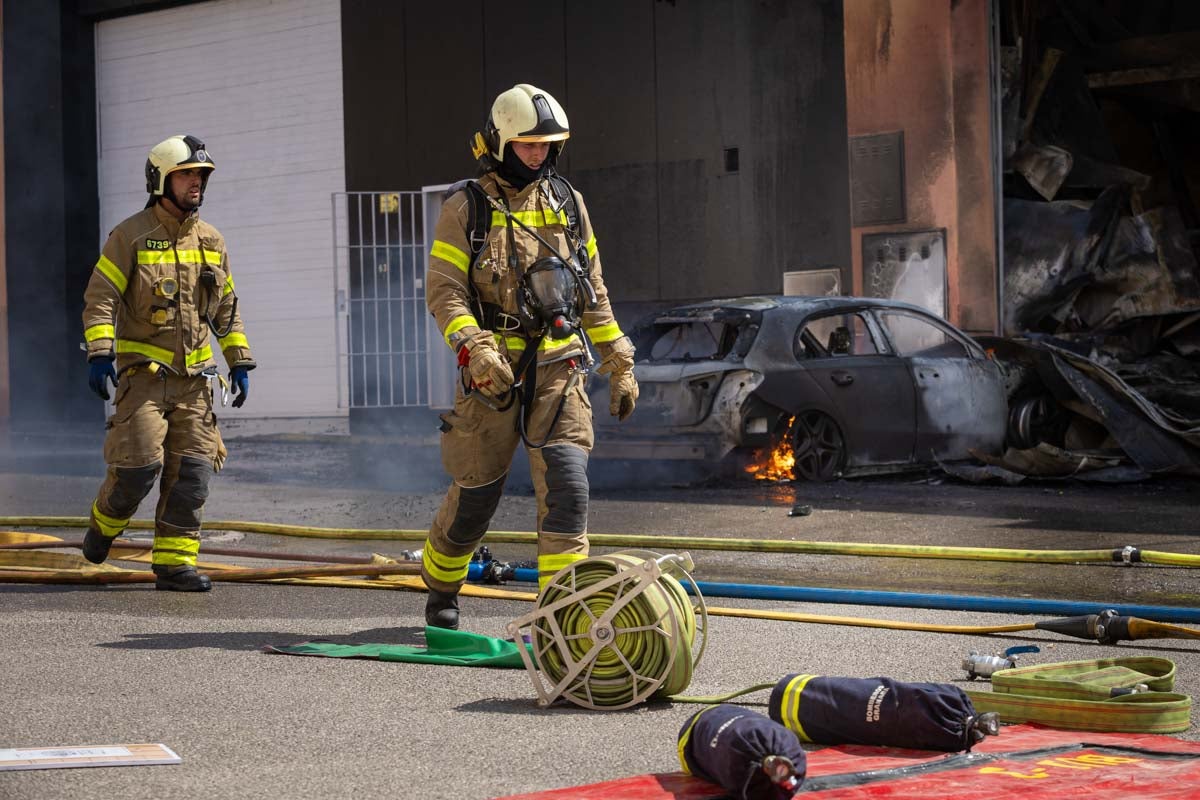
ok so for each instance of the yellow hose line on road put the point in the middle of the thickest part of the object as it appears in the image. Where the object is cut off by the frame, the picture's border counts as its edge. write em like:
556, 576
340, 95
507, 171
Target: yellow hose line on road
673, 543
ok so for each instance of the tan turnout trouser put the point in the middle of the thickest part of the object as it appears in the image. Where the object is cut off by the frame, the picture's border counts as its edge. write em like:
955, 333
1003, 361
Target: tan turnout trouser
162, 423
478, 444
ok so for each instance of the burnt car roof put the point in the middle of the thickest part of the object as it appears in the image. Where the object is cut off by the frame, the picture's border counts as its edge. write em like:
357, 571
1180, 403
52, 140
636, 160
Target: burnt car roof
760, 303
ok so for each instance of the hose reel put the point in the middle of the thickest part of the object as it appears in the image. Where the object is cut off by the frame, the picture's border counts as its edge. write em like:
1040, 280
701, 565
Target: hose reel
613, 631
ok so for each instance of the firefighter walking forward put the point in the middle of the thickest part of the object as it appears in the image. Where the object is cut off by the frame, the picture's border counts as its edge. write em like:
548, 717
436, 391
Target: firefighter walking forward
514, 283
162, 285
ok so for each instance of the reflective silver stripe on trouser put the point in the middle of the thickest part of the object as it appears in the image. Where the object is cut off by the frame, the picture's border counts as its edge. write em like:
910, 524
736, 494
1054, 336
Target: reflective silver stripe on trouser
457, 529
562, 530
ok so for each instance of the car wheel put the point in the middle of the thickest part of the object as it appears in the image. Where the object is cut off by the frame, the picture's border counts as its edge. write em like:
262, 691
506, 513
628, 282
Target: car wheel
818, 447
1034, 419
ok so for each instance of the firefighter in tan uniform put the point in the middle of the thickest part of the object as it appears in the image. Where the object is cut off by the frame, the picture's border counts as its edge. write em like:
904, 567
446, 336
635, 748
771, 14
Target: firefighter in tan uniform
161, 285
514, 284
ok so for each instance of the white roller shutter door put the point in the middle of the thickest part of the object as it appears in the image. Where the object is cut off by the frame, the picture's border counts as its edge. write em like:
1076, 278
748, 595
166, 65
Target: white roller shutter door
260, 82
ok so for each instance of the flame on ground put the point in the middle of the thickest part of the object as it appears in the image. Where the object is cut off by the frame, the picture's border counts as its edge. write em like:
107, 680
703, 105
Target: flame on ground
775, 465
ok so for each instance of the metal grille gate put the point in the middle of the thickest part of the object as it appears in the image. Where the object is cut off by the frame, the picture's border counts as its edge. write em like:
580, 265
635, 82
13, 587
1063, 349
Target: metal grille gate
379, 278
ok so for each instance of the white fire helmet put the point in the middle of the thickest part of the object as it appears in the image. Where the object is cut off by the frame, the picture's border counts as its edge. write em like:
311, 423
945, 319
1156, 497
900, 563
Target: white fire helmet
172, 155
523, 113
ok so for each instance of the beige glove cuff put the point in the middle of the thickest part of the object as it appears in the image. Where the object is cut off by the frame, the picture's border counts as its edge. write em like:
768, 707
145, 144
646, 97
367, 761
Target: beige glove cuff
616, 357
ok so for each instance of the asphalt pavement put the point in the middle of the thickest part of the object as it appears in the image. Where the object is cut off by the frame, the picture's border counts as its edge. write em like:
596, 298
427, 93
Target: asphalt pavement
127, 664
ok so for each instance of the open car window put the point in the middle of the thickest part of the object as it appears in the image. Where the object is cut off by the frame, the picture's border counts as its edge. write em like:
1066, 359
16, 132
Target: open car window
915, 336
697, 334
690, 341
835, 336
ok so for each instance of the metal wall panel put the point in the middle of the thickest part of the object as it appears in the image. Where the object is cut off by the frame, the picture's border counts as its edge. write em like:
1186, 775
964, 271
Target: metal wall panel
270, 108
543, 65
51, 210
443, 89
613, 150
375, 96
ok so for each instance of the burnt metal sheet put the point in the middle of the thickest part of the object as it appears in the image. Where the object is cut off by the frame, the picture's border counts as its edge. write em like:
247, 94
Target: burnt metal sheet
877, 179
961, 404
1149, 444
1155, 437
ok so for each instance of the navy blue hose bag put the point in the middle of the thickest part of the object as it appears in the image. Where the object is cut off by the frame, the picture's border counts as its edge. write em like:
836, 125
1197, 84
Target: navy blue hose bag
743, 752
879, 711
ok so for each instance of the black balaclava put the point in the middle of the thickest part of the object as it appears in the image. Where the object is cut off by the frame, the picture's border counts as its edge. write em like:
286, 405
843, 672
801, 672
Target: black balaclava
513, 170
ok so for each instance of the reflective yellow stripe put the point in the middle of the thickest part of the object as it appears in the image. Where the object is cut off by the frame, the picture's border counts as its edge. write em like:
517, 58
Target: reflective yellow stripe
516, 345
448, 252
173, 551
185, 256
228, 285
447, 569
789, 708
457, 324
687, 735
198, 356
549, 565
111, 271
109, 526
233, 340
550, 344
534, 219
157, 256
591, 246
159, 354
100, 332
604, 333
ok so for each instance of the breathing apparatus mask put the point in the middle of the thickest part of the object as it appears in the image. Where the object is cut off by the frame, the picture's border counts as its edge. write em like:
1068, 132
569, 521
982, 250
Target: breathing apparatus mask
551, 297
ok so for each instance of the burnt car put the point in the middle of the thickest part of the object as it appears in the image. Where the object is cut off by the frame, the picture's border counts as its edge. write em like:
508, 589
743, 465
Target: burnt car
841, 385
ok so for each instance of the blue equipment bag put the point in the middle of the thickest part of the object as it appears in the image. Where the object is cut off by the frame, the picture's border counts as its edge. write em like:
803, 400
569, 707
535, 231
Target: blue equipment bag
743, 752
879, 711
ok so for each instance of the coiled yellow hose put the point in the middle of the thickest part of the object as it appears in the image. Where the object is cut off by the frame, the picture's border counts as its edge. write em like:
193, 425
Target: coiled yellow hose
613, 631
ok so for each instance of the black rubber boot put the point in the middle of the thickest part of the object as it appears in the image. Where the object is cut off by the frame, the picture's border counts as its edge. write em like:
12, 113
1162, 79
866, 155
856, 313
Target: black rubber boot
182, 578
441, 610
96, 546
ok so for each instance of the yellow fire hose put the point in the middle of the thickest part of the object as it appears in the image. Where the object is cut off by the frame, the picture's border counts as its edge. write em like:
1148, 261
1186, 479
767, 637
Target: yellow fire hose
612, 631
85, 576
1119, 555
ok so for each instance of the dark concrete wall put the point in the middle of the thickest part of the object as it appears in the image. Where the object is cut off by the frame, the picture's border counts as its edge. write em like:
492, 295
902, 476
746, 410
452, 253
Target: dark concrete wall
51, 214
656, 92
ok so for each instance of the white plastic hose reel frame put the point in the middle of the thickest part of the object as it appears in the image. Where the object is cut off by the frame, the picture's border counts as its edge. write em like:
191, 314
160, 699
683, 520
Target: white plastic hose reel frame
636, 577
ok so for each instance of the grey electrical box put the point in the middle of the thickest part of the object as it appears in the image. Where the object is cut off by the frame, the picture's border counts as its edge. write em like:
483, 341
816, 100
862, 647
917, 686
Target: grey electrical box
877, 179
908, 266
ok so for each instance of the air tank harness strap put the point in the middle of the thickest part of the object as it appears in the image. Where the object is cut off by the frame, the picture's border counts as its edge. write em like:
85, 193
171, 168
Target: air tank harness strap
525, 375
1128, 695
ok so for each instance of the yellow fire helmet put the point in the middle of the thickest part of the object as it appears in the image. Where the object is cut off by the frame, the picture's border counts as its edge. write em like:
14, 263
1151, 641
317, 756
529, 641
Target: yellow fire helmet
523, 113
173, 154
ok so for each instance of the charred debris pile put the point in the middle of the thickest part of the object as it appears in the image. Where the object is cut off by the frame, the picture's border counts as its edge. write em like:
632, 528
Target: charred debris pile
1100, 123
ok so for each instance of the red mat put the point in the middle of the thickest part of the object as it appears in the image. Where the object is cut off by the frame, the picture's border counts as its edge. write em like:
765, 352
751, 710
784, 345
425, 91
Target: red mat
1038, 763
